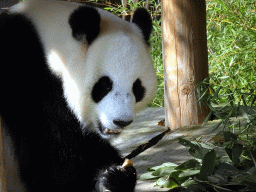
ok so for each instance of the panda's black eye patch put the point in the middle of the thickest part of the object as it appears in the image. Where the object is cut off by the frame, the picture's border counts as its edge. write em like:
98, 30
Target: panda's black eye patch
138, 90
101, 88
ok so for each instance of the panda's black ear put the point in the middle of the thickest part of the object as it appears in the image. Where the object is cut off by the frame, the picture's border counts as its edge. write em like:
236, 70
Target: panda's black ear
143, 20
85, 23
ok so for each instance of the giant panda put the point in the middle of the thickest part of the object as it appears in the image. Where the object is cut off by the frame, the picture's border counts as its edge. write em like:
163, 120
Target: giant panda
71, 78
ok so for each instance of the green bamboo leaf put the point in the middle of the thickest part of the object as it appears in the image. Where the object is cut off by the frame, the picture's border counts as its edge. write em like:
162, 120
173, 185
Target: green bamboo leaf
237, 150
207, 118
188, 182
216, 126
207, 165
224, 77
216, 94
254, 99
202, 95
163, 171
189, 173
244, 101
198, 152
168, 164
148, 176
232, 59
192, 163
185, 142
166, 182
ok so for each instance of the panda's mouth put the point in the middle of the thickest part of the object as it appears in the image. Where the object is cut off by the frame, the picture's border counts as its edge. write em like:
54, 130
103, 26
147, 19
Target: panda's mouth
107, 131
115, 132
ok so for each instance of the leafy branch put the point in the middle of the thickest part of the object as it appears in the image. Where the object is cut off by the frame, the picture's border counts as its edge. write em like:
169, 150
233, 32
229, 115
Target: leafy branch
215, 167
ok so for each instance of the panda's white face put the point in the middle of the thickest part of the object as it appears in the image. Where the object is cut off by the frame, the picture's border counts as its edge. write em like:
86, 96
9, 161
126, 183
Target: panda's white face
126, 81
115, 110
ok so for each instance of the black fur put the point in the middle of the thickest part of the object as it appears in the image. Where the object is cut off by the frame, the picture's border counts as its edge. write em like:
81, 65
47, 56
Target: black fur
143, 20
85, 22
53, 152
101, 88
105, 85
138, 90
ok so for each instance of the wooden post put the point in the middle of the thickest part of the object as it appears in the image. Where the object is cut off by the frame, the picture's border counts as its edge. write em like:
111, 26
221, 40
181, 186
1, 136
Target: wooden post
185, 60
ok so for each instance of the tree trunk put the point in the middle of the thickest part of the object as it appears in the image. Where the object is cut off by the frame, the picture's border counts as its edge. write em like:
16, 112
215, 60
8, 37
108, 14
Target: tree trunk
185, 60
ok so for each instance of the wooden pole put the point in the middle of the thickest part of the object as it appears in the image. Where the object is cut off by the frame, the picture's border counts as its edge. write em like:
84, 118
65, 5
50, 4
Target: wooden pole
185, 60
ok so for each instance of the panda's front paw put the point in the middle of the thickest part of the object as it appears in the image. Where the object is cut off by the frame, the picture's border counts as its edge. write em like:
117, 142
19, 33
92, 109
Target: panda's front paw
118, 179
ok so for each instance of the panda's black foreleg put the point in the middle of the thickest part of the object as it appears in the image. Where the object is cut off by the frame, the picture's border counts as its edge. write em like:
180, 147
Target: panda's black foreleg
117, 179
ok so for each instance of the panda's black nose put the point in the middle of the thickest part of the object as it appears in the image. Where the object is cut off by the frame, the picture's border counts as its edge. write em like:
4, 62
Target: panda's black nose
122, 123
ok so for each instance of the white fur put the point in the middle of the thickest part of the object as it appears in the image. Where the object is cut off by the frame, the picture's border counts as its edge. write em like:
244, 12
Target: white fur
118, 52
120, 103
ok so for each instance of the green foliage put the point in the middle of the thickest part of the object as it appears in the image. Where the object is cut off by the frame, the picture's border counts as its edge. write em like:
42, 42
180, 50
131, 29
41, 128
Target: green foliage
209, 170
232, 49
210, 97
156, 52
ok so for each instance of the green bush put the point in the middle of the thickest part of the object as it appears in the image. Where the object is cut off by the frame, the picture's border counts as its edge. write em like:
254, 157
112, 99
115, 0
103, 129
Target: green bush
225, 165
232, 48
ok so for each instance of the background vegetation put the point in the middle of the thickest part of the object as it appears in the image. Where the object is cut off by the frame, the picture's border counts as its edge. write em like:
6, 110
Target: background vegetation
232, 49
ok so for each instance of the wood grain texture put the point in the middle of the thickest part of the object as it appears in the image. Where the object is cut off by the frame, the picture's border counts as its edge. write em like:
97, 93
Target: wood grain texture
185, 60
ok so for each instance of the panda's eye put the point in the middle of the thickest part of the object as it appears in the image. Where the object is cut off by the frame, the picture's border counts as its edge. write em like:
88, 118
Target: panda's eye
101, 88
138, 90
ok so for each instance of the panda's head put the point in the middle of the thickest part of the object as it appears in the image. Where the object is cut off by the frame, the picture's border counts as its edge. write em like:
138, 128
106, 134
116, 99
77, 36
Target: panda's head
114, 78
